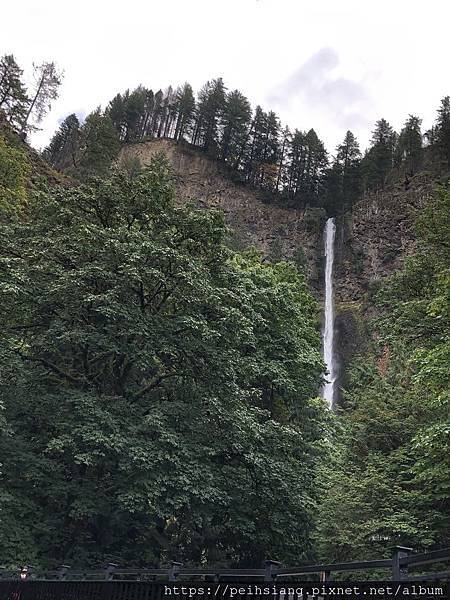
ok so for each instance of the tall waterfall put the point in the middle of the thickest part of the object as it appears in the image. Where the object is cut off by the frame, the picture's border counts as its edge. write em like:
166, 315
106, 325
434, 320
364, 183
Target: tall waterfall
328, 331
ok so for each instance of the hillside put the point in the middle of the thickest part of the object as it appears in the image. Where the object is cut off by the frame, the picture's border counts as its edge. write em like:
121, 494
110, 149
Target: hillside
40, 169
253, 220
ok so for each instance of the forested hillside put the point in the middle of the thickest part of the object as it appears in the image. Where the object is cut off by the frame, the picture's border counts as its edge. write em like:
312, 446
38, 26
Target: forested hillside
160, 381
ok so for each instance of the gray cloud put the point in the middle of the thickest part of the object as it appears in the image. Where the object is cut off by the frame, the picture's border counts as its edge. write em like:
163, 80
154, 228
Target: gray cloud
314, 86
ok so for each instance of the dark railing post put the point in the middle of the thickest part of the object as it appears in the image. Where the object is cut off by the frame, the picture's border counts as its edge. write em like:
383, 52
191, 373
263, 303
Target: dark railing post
174, 570
269, 566
399, 571
62, 571
324, 576
109, 571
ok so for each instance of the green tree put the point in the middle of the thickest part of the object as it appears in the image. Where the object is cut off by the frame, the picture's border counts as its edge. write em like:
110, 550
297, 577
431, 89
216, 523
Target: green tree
344, 178
129, 331
234, 124
47, 82
409, 145
13, 96
185, 111
64, 148
99, 144
210, 105
379, 160
443, 131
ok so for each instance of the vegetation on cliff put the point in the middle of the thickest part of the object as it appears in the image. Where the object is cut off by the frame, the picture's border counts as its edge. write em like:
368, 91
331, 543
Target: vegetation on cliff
292, 166
157, 388
390, 478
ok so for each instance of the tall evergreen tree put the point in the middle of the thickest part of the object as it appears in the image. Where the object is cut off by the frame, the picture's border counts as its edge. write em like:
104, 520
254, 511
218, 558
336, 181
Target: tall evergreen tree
13, 96
443, 131
185, 106
379, 159
63, 150
409, 145
210, 105
344, 178
116, 112
100, 143
157, 116
234, 125
47, 82
134, 113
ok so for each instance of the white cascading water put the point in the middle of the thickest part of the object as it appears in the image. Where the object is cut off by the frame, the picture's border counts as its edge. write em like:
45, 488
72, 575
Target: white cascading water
328, 331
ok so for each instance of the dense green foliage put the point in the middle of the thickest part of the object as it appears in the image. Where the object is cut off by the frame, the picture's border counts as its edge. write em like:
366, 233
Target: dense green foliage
157, 388
390, 482
14, 172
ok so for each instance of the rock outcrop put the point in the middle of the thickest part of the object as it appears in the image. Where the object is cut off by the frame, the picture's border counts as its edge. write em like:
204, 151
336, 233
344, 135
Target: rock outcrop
253, 219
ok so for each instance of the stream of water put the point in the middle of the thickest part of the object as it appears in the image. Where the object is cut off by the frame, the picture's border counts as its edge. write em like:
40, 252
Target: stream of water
328, 330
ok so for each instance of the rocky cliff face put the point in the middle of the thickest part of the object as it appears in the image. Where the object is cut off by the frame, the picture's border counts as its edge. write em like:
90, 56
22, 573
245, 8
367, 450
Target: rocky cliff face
377, 235
371, 241
253, 220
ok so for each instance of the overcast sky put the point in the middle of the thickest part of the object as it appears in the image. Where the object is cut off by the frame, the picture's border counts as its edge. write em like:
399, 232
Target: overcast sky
328, 64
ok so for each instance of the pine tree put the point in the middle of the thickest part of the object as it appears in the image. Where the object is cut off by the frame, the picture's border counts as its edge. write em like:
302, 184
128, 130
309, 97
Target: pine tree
158, 110
185, 107
235, 123
348, 157
409, 145
379, 160
116, 112
297, 162
149, 107
47, 80
270, 153
134, 113
13, 97
253, 155
100, 143
316, 164
282, 167
210, 105
64, 147
443, 130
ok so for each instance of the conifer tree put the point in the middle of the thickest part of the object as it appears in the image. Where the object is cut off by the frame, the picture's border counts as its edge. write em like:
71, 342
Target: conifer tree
379, 159
282, 167
116, 112
100, 143
13, 97
211, 102
64, 147
157, 115
409, 145
47, 82
234, 124
185, 106
443, 130
134, 114
254, 151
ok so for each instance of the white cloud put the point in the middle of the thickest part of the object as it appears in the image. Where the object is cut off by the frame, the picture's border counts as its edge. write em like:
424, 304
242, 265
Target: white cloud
324, 64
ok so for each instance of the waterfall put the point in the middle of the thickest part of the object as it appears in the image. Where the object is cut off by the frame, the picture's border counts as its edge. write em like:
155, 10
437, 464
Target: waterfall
328, 331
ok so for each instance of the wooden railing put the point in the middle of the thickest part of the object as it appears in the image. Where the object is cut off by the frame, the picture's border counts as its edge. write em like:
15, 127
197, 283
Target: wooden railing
115, 582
